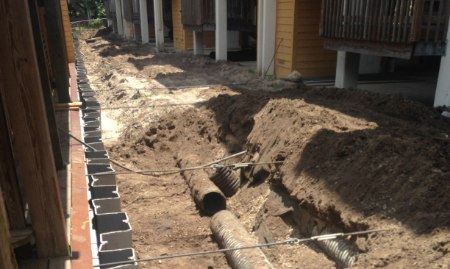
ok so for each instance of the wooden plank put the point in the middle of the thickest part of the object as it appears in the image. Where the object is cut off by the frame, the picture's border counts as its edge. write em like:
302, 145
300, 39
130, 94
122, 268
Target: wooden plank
417, 21
46, 85
430, 18
439, 21
381, 21
8, 177
57, 48
346, 28
31, 144
7, 259
322, 15
70, 51
386, 50
365, 21
401, 20
407, 22
354, 19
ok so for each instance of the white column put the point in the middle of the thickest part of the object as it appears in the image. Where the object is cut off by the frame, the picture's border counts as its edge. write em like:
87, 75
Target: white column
221, 30
144, 20
126, 28
198, 43
159, 24
442, 96
259, 36
119, 17
269, 28
347, 67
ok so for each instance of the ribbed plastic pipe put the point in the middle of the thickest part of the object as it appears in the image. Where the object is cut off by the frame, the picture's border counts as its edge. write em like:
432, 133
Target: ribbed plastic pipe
226, 180
230, 233
338, 249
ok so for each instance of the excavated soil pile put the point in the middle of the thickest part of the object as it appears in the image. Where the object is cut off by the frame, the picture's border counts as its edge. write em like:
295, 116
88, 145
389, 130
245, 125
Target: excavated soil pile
357, 160
353, 160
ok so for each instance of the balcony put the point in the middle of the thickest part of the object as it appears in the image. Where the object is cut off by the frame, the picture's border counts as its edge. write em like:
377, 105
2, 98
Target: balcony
395, 28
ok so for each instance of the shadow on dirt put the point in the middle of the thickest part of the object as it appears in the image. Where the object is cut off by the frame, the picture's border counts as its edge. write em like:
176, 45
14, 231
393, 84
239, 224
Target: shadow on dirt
189, 70
399, 169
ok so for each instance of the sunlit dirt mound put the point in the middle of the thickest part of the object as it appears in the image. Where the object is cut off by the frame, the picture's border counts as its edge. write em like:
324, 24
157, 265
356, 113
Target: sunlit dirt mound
358, 160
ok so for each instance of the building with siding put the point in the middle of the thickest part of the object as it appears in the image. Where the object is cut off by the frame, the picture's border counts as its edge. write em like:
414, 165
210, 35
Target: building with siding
183, 39
299, 45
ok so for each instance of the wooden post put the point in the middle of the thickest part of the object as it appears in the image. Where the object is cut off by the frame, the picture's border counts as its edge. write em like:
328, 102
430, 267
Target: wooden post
21, 92
46, 85
8, 178
7, 259
53, 22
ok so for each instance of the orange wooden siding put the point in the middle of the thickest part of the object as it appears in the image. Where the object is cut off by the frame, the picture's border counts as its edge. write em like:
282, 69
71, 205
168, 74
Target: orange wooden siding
284, 37
182, 39
67, 31
309, 57
301, 48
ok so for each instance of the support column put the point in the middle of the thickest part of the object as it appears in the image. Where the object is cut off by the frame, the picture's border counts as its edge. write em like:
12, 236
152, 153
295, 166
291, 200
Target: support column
144, 20
259, 37
159, 24
347, 68
221, 30
269, 28
119, 17
126, 26
442, 96
198, 43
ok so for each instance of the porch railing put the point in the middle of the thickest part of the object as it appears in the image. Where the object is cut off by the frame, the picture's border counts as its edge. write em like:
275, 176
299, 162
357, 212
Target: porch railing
385, 21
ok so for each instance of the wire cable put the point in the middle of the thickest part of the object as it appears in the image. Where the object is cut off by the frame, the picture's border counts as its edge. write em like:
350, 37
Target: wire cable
174, 171
290, 241
92, 148
234, 166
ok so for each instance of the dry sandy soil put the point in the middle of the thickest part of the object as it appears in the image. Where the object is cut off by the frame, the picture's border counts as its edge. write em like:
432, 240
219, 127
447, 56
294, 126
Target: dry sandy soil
352, 160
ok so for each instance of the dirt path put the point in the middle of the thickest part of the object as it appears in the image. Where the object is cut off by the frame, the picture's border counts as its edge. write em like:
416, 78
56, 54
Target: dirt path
352, 160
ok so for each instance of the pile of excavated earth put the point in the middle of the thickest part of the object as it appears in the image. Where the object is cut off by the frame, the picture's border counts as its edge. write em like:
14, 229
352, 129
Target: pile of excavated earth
330, 161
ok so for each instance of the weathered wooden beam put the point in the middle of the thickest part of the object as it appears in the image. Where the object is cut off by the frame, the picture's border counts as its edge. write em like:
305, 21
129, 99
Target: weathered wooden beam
371, 48
53, 22
7, 259
21, 91
46, 84
8, 177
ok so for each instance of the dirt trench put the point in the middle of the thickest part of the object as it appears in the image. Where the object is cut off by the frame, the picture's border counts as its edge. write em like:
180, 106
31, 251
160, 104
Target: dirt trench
352, 160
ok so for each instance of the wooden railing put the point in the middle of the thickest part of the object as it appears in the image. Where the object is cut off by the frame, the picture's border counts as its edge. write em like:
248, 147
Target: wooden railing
385, 21
200, 13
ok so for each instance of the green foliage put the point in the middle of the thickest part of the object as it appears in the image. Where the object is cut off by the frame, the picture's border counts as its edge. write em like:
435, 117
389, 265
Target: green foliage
87, 9
93, 24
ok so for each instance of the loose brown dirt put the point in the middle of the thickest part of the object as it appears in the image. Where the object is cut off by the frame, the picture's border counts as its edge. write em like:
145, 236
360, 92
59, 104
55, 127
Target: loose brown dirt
352, 159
